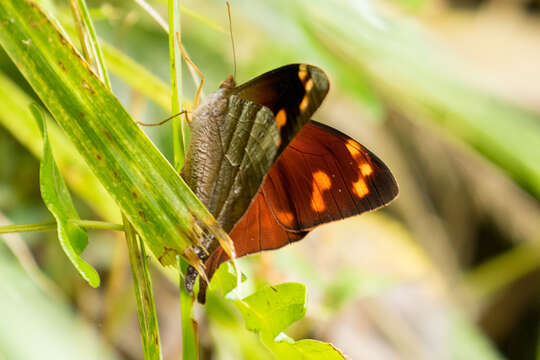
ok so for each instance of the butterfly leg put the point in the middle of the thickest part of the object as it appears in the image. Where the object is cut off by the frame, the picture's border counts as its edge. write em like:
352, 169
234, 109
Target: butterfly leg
164, 121
190, 62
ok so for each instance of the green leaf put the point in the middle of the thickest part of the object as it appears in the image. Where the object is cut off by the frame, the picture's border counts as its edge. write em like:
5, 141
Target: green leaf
268, 312
287, 348
224, 279
56, 197
148, 190
271, 310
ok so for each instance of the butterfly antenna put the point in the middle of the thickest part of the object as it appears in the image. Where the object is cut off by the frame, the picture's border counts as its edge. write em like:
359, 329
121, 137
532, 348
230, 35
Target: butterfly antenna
232, 39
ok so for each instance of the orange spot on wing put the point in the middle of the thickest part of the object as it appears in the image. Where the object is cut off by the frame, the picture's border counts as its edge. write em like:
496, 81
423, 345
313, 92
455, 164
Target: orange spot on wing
286, 218
321, 182
353, 150
366, 169
281, 118
304, 103
360, 188
309, 85
302, 73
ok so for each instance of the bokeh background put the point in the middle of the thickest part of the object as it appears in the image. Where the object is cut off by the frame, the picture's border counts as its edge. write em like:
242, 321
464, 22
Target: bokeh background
446, 92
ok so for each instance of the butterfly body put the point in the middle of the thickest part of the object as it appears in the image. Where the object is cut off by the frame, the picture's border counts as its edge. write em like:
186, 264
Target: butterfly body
267, 172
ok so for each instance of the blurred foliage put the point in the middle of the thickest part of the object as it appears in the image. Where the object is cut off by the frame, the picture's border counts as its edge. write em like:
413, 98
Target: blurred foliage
448, 271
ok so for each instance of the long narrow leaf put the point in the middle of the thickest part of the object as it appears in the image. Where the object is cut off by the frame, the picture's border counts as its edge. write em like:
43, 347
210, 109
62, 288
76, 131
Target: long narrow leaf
152, 195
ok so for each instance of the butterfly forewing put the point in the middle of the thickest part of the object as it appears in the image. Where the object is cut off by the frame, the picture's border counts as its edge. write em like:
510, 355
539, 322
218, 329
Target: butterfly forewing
292, 92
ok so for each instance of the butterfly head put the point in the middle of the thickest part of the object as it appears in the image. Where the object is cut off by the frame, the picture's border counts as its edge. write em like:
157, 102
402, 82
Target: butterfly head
229, 83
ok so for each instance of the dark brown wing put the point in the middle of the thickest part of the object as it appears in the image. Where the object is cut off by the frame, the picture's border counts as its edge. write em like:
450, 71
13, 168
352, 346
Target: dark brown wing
322, 176
293, 93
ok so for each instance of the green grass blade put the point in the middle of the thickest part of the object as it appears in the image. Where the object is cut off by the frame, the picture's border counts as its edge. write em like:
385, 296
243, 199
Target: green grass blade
96, 49
146, 307
181, 136
179, 143
145, 299
56, 197
154, 198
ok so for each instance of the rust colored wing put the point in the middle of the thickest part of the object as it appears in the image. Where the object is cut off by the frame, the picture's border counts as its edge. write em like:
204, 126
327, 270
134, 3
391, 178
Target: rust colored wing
257, 230
322, 176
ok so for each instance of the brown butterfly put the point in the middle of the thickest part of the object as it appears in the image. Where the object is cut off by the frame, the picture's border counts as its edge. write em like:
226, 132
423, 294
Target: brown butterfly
268, 173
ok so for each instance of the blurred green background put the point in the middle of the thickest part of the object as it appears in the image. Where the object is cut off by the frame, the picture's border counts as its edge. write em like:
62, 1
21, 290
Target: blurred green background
446, 92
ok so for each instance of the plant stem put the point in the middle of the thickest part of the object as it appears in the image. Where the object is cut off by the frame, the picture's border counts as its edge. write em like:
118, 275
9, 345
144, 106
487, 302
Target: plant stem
180, 127
98, 225
51, 225
146, 309
190, 349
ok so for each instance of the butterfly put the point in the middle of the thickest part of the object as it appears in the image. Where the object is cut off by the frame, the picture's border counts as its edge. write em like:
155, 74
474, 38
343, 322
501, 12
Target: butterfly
268, 173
